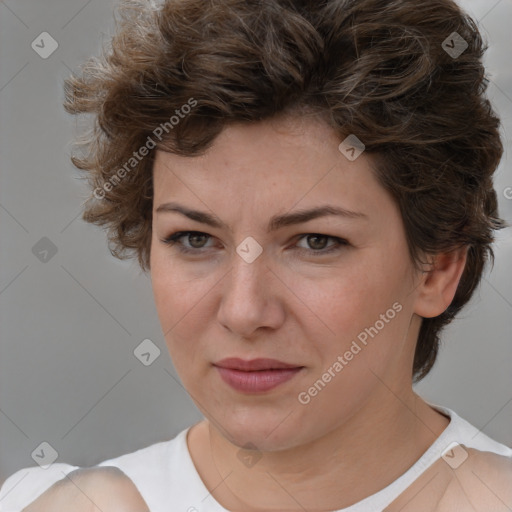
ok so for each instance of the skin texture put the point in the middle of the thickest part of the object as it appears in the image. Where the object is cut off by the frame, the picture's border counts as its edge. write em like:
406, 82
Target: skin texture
105, 489
366, 427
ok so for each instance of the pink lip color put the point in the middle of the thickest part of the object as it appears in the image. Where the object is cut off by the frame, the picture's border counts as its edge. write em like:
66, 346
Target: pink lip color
256, 381
261, 363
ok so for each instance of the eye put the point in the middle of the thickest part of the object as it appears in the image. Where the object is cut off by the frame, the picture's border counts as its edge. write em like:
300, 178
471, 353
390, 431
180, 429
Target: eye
319, 241
195, 236
197, 241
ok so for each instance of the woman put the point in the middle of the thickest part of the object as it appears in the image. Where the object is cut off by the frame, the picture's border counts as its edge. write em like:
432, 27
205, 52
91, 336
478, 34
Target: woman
232, 138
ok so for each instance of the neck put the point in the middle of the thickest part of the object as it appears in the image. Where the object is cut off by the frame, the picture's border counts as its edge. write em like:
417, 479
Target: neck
350, 463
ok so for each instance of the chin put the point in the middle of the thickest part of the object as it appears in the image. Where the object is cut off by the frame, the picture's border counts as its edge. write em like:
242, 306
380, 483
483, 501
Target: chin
266, 432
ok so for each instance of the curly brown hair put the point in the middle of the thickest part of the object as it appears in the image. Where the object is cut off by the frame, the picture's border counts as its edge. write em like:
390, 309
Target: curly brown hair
379, 69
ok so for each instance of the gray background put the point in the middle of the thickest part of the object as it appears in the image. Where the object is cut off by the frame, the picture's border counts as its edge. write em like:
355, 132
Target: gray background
69, 325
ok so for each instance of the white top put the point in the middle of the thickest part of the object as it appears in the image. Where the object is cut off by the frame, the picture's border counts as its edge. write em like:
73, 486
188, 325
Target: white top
164, 473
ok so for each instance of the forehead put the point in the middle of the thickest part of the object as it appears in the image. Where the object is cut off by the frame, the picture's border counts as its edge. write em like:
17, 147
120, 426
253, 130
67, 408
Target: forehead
269, 165
283, 139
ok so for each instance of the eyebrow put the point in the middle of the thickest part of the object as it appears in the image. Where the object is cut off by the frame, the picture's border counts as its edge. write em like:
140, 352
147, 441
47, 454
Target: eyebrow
275, 223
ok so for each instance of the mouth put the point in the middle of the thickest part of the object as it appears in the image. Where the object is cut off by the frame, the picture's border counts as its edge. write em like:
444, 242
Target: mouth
235, 363
255, 375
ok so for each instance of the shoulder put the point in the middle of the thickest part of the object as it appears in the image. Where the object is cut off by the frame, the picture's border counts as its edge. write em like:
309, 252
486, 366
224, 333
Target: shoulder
463, 479
91, 490
484, 480
153, 470
25, 485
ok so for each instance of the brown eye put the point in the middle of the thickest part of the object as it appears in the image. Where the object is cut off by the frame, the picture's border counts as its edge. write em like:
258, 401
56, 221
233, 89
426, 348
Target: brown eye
317, 242
196, 239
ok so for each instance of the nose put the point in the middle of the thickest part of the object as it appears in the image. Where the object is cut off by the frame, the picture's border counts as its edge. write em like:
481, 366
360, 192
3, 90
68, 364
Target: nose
250, 299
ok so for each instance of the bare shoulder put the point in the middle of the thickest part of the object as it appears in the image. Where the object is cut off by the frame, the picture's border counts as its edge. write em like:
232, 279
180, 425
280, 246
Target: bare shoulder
96, 489
484, 479
464, 479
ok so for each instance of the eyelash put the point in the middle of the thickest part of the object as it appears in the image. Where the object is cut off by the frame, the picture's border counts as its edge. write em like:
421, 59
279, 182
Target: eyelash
174, 239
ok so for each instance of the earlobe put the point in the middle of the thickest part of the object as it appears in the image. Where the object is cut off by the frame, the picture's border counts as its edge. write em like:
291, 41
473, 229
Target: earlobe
439, 284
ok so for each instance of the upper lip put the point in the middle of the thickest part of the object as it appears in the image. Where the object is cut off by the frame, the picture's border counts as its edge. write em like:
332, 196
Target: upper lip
235, 363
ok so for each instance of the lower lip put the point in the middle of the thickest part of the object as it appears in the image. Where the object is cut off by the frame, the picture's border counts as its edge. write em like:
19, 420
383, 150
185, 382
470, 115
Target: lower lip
256, 381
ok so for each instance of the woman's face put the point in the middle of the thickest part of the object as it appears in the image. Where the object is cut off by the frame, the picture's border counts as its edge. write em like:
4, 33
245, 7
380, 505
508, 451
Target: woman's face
340, 313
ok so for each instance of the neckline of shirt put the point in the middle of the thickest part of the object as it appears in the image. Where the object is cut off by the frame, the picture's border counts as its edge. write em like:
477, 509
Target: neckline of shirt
376, 501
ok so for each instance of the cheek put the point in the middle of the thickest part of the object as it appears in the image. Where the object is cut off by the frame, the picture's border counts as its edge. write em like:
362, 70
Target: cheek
360, 312
181, 300
175, 302
344, 301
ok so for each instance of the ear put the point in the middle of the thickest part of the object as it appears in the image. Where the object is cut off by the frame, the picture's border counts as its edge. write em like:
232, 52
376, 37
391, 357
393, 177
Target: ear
438, 285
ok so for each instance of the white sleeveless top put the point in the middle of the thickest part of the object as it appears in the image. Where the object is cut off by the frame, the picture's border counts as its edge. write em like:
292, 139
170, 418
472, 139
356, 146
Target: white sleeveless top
165, 475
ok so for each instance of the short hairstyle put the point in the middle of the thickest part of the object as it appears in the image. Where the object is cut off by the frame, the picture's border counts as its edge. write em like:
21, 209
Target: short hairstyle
379, 69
